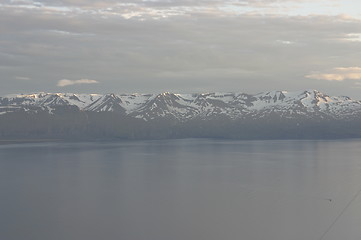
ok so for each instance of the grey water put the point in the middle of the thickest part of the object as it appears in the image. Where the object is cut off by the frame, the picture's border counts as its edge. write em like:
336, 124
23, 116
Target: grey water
181, 190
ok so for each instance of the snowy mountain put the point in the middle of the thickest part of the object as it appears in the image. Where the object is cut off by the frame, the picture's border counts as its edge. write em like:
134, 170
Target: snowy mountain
188, 106
221, 113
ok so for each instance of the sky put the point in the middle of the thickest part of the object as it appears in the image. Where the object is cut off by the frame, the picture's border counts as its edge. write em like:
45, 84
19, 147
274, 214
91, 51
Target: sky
180, 46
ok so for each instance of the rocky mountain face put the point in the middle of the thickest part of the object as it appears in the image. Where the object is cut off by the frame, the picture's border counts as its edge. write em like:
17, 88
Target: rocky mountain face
276, 114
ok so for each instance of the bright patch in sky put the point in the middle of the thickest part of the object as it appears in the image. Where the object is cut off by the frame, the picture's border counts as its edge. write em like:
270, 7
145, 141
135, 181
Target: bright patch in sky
354, 37
67, 82
338, 74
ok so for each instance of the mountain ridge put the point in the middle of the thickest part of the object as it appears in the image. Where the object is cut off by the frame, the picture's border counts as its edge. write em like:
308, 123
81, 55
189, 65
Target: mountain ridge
274, 114
185, 106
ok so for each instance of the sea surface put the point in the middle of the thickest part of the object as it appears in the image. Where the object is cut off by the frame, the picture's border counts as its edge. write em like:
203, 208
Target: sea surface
181, 190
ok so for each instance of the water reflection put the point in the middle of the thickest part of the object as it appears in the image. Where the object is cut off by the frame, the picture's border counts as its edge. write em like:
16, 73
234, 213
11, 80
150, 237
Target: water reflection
180, 189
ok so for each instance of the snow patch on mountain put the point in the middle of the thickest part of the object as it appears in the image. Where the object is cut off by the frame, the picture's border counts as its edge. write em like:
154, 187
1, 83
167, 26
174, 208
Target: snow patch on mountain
189, 106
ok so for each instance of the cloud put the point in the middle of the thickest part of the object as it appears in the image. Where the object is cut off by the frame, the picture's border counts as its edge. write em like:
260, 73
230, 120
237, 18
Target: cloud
207, 44
354, 37
22, 78
338, 74
159, 9
67, 82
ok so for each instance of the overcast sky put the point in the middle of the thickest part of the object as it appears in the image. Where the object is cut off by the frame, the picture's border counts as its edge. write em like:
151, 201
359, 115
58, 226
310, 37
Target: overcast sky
152, 46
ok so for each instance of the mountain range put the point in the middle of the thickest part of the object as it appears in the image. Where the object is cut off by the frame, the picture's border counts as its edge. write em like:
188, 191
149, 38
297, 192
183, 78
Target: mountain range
268, 115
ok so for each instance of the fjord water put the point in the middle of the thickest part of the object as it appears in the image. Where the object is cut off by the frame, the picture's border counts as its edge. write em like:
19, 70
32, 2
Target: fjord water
181, 189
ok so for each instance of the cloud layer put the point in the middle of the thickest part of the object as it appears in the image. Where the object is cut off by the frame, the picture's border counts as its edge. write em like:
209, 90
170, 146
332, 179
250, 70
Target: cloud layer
179, 46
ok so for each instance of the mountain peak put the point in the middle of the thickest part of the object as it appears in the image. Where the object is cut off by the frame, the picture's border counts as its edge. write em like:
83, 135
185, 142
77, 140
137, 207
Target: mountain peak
188, 106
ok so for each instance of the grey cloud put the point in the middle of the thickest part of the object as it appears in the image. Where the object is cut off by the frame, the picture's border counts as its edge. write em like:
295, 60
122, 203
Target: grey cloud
158, 3
201, 52
22, 78
161, 8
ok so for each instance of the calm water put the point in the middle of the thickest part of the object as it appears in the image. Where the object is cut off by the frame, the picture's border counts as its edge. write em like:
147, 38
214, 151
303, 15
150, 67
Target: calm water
181, 190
